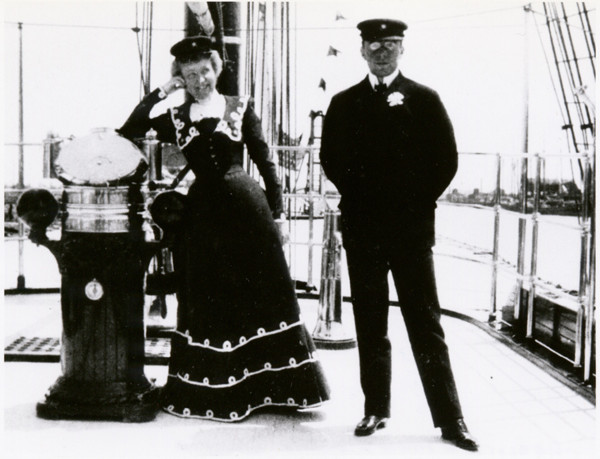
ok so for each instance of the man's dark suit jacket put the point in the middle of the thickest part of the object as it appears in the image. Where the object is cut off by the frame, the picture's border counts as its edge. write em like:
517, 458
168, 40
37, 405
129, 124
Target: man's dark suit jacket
390, 162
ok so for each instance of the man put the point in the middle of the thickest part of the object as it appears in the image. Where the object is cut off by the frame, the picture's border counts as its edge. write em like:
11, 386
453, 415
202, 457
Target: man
388, 146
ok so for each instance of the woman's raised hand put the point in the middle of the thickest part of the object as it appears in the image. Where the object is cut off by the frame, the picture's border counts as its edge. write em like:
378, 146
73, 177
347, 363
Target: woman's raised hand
173, 85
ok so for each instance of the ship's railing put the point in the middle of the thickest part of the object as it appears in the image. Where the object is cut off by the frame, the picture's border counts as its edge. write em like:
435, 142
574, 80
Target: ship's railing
566, 207
514, 190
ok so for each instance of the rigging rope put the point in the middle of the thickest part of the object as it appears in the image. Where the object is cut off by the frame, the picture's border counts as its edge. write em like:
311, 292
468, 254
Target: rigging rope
560, 107
569, 71
251, 7
584, 14
144, 44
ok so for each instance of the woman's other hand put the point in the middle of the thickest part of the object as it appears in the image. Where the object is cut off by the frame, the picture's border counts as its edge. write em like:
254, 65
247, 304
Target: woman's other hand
173, 85
284, 233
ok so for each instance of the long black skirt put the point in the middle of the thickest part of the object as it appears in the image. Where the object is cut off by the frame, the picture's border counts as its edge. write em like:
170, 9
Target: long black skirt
240, 342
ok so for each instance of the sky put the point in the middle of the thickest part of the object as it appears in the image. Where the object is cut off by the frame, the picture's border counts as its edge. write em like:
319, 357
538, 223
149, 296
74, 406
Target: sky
81, 69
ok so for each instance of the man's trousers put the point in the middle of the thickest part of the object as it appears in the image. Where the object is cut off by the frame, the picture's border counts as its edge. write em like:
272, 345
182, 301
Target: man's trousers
372, 252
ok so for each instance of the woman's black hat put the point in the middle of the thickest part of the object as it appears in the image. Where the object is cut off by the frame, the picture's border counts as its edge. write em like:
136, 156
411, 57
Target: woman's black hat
199, 44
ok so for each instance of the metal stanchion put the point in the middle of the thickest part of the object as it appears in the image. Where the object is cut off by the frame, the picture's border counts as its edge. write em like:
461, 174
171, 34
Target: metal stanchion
534, 249
495, 315
582, 311
589, 329
311, 222
51, 151
161, 280
21, 184
522, 240
329, 333
589, 344
21, 275
151, 148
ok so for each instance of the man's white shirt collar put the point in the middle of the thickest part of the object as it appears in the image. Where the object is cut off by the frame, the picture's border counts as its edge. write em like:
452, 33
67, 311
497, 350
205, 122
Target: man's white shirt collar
386, 80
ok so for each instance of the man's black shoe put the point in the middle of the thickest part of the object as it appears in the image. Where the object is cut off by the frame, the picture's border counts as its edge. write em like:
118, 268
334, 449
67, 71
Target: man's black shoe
368, 425
458, 433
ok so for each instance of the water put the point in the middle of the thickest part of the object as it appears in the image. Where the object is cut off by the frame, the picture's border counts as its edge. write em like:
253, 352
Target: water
469, 228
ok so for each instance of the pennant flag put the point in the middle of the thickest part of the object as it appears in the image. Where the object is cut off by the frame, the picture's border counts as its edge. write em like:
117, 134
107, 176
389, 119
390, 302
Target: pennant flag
332, 51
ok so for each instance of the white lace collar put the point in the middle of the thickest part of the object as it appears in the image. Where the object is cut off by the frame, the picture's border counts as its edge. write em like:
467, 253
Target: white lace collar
213, 109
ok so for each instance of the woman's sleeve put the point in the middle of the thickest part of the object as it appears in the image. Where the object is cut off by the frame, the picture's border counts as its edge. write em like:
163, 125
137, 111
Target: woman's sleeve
139, 122
260, 155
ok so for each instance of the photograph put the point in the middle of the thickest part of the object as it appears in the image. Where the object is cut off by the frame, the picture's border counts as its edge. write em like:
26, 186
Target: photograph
298, 229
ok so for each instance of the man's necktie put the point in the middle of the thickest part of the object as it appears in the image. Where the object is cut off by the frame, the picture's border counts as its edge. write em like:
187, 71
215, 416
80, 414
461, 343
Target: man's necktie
380, 88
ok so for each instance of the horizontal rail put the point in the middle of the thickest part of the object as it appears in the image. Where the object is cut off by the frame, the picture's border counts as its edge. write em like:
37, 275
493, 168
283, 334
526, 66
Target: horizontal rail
540, 217
22, 144
583, 154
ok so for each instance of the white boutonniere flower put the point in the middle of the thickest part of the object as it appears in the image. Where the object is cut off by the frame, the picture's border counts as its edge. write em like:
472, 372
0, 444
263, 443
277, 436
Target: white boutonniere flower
395, 98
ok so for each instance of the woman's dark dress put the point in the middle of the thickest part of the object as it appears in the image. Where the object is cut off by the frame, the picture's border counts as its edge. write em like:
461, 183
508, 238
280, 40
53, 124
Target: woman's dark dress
240, 343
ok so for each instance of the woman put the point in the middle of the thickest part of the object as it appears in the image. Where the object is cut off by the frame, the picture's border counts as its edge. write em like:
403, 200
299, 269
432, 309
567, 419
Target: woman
239, 344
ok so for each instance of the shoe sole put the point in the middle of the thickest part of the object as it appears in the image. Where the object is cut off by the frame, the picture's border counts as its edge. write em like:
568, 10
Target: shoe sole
461, 446
361, 433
